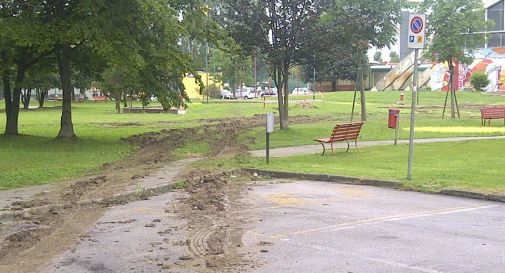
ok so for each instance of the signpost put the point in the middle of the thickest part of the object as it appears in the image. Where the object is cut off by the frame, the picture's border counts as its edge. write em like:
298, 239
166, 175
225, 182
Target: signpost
416, 40
270, 129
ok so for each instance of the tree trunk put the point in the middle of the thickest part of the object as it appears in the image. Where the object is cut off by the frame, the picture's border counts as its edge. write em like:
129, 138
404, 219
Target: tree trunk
63, 56
117, 100
451, 90
42, 97
361, 80
26, 97
281, 81
8, 100
125, 100
333, 84
363, 98
12, 102
285, 117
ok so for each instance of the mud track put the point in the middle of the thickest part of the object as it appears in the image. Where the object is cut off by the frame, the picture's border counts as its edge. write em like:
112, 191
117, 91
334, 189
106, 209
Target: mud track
52, 221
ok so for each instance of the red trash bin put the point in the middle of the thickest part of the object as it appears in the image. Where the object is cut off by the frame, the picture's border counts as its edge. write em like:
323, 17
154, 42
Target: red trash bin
394, 115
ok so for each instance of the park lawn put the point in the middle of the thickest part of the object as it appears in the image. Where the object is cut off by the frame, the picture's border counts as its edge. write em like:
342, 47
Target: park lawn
429, 123
36, 158
473, 165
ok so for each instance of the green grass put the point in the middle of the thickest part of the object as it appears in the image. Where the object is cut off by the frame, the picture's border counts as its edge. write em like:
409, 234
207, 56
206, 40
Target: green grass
36, 158
29, 160
467, 165
429, 123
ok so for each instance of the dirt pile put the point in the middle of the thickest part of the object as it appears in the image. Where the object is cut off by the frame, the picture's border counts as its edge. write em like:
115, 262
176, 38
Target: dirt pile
58, 210
56, 218
215, 228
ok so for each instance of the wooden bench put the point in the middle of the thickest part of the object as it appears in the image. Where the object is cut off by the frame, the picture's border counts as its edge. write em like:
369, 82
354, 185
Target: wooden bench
342, 132
489, 113
100, 98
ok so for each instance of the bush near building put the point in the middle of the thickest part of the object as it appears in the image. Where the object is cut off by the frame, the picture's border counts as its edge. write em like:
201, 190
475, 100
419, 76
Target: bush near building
479, 81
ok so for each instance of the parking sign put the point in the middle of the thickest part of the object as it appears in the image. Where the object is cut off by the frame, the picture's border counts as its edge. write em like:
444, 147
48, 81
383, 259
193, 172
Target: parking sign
417, 31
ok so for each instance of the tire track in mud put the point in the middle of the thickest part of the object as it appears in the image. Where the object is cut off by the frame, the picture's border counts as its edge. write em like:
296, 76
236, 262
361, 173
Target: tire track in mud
154, 151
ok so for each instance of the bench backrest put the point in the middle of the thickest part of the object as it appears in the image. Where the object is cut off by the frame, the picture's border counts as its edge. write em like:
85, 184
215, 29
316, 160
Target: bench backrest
493, 112
347, 131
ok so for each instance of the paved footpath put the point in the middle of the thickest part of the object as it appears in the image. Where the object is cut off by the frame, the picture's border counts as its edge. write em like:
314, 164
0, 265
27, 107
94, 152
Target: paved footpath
312, 149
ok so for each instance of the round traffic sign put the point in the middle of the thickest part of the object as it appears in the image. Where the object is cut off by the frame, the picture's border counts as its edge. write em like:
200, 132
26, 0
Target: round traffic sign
416, 25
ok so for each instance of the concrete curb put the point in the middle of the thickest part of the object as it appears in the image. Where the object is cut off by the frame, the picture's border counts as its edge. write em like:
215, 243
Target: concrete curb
369, 182
328, 178
117, 199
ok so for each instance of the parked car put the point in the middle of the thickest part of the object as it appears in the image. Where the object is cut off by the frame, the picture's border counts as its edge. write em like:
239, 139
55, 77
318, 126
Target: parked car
246, 93
301, 91
226, 94
269, 92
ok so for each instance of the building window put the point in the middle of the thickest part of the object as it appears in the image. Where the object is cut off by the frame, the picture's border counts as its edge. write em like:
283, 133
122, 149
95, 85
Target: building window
495, 14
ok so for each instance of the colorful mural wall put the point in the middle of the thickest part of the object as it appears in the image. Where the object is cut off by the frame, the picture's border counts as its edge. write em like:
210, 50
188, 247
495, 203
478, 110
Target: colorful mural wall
489, 61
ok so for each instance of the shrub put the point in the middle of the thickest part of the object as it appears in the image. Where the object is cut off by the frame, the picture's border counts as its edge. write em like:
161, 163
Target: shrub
479, 80
214, 91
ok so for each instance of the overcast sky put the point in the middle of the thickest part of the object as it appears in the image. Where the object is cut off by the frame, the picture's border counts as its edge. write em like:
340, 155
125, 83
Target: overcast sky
396, 46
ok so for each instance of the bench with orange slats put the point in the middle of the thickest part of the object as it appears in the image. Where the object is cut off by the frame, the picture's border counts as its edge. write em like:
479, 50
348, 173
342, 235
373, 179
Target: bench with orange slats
342, 132
489, 113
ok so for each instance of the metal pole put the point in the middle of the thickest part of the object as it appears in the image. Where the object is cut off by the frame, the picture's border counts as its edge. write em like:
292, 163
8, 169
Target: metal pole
314, 87
207, 69
268, 148
413, 116
397, 130
255, 73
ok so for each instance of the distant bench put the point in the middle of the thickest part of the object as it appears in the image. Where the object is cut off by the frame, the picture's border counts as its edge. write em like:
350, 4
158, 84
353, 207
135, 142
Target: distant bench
342, 132
489, 113
100, 98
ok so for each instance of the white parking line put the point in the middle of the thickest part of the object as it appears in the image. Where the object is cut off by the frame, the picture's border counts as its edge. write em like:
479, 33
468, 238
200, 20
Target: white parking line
377, 260
353, 224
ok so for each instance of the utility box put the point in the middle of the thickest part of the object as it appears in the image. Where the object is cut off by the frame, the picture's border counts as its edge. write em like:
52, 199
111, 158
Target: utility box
394, 117
270, 123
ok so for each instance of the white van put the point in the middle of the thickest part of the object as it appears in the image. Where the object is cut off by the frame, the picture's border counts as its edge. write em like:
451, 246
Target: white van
246, 93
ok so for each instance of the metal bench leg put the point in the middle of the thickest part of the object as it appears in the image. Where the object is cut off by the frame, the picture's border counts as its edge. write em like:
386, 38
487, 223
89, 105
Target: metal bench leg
324, 148
348, 146
356, 144
332, 151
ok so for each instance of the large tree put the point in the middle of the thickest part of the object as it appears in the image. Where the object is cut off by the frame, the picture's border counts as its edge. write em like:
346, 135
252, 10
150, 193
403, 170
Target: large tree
449, 20
280, 30
139, 37
23, 42
362, 23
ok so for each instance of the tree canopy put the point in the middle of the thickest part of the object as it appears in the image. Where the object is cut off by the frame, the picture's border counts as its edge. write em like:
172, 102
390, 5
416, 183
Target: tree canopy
84, 38
451, 26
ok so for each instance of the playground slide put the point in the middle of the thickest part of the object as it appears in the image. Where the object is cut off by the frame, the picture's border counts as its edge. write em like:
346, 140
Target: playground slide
396, 74
424, 78
403, 79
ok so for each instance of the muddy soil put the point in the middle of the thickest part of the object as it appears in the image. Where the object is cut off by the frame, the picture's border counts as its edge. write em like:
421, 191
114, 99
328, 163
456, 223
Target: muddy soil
52, 221
28, 237
215, 229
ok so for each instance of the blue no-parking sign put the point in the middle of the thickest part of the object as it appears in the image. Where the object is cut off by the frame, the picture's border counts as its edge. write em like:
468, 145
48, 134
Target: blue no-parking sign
417, 31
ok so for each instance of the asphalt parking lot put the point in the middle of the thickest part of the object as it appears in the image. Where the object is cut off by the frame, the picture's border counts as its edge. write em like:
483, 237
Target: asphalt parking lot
311, 226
